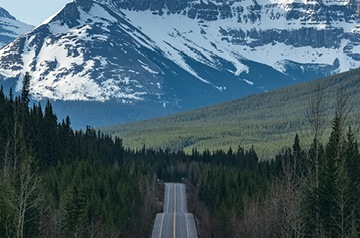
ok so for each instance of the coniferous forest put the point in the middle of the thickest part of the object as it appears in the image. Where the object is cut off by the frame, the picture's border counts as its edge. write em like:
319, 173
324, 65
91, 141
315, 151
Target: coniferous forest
57, 182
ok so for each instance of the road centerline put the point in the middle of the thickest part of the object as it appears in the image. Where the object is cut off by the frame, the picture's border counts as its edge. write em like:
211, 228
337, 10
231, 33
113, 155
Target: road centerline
183, 223
168, 199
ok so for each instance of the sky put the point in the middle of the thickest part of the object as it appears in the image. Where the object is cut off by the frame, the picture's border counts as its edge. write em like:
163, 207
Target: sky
33, 12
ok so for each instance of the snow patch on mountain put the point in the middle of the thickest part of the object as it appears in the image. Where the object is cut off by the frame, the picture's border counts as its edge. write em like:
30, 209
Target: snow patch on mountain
204, 42
10, 27
178, 35
106, 50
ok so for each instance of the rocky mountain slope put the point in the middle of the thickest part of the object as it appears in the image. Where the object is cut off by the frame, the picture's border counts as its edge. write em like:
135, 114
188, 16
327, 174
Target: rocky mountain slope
171, 55
10, 28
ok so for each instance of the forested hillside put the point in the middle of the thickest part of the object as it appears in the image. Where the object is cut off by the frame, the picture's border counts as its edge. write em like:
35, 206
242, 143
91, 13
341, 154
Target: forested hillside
266, 121
56, 182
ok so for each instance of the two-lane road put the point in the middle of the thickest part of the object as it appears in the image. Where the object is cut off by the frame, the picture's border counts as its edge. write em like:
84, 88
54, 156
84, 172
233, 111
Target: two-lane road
175, 198
175, 222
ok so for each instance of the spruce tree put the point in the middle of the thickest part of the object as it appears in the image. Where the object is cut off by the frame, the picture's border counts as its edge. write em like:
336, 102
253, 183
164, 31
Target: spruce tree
75, 213
297, 154
327, 183
25, 93
353, 171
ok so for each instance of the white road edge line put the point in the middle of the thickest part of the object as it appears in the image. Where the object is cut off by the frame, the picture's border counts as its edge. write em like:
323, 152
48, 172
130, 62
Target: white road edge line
168, 198
161, 224
187, 225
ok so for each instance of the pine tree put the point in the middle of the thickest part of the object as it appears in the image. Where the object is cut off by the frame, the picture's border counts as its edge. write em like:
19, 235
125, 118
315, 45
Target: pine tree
25, 93
50, 137
75, 213
297, 154
327, 185
353, 171
335, 191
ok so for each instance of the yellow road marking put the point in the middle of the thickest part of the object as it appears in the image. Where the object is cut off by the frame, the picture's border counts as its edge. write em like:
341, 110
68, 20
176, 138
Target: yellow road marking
175, 211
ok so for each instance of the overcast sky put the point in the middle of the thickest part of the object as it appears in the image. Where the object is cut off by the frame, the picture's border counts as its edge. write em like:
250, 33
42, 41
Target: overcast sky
33, 12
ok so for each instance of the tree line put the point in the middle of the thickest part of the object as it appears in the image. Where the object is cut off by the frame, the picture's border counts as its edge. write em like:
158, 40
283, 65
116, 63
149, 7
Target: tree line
57, 182
312, 192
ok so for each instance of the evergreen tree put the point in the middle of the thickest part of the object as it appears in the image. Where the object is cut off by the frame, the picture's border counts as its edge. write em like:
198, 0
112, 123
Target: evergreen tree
353, 171
335, 190
25, 93
327, 186
75, 213
298, 157
50, 136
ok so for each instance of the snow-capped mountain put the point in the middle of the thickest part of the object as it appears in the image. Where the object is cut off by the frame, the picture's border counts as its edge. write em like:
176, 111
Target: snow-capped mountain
181, 54
10, 28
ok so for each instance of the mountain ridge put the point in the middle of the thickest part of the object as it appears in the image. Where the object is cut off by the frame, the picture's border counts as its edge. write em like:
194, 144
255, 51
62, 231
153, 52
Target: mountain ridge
178, 55
10, 27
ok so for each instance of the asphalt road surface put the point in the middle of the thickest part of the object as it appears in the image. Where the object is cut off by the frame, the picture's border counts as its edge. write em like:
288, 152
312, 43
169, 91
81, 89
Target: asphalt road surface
175, 222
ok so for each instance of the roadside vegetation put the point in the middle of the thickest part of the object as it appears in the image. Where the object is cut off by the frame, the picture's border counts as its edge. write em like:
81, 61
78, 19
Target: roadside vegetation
57, 182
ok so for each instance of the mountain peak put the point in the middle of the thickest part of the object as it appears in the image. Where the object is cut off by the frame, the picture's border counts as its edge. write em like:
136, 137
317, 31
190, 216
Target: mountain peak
5, 14
179, 54
10, 27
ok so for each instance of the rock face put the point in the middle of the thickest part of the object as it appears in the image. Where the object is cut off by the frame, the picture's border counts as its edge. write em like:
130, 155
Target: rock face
314, 23
10, 28
171, 55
